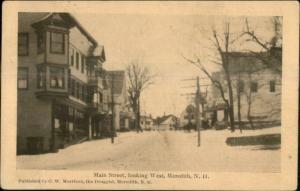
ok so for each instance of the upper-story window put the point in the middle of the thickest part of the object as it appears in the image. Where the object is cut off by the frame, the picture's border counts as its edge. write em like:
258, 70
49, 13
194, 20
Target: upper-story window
82, 63
57, 78
40, 43
57, 43
253, 86
272, 86
77, 60
72, 57
23, 44
22, 78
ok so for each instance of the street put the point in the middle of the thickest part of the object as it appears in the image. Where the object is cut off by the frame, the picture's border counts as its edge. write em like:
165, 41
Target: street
161, 151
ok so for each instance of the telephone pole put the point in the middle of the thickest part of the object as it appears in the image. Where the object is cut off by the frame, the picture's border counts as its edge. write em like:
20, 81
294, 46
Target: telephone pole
198, 121
198, 100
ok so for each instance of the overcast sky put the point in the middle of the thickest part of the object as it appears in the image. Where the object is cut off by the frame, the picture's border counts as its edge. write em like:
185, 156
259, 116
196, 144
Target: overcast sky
159, 41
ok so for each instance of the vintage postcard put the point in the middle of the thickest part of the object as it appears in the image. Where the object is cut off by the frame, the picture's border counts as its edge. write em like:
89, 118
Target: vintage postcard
177, 95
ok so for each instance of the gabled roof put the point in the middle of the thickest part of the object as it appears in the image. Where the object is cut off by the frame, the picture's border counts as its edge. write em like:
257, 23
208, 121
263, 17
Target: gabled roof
70, 21
160, 120
118, 77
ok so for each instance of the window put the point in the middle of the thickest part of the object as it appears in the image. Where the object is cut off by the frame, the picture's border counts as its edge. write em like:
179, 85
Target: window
72, 87
82, 64
23, 43
41, 77
57, 43
23, 78
253, 86
77, 90
95, 97
82, 92
57, 78
72, 57
272, 86
241, 85
101, 97
77, 60
40, 43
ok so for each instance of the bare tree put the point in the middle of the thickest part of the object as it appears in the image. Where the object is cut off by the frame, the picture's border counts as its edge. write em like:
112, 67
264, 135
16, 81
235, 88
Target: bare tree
222, 50
271, 59
139, 78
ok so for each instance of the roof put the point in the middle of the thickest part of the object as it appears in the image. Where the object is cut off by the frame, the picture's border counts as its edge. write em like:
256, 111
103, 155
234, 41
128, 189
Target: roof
253, 61
96, 51
160, 120
118, 77
70, 20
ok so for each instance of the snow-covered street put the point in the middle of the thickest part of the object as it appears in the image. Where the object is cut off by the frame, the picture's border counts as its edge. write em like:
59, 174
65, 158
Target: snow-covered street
161, 150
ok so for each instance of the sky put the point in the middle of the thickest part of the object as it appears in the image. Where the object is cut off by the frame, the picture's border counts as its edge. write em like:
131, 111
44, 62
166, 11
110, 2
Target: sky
160, 42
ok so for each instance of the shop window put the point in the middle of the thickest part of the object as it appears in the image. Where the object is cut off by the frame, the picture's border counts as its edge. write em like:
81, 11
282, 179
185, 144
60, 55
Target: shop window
23, 78
254, 86
41, 77
57, 78
57, 43
40, 43
23, 44
272, 86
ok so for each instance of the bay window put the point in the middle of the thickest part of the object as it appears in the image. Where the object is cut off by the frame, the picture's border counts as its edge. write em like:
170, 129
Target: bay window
57, 43
57, 78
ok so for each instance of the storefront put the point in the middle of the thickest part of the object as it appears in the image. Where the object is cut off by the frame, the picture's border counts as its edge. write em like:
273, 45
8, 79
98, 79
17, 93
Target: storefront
70, 125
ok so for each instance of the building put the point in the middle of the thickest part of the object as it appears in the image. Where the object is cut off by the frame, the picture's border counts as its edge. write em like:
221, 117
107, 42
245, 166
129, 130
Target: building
256, 86
166, 122
62, 95
117, 82
146, 123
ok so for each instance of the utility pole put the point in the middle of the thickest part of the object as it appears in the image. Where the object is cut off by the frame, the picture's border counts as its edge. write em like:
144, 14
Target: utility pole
197, 100
198, 121
112, 109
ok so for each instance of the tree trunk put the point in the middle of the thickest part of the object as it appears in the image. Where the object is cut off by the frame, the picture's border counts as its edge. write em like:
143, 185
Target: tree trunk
249, 110
230, 109
138, 117
239, 102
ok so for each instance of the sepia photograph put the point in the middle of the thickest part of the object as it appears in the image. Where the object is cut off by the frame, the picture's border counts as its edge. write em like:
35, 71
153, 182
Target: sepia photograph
124, 94
118, 107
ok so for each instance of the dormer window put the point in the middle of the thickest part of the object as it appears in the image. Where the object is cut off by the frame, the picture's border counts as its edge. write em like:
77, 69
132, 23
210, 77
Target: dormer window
57, 43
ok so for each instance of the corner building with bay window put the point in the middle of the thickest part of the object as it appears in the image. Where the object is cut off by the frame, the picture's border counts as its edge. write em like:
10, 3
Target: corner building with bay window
62, 92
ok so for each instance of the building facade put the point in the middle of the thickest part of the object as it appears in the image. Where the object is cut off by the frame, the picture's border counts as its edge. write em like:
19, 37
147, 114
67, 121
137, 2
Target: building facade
62, 95
256, 89
146, 123
122, 114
